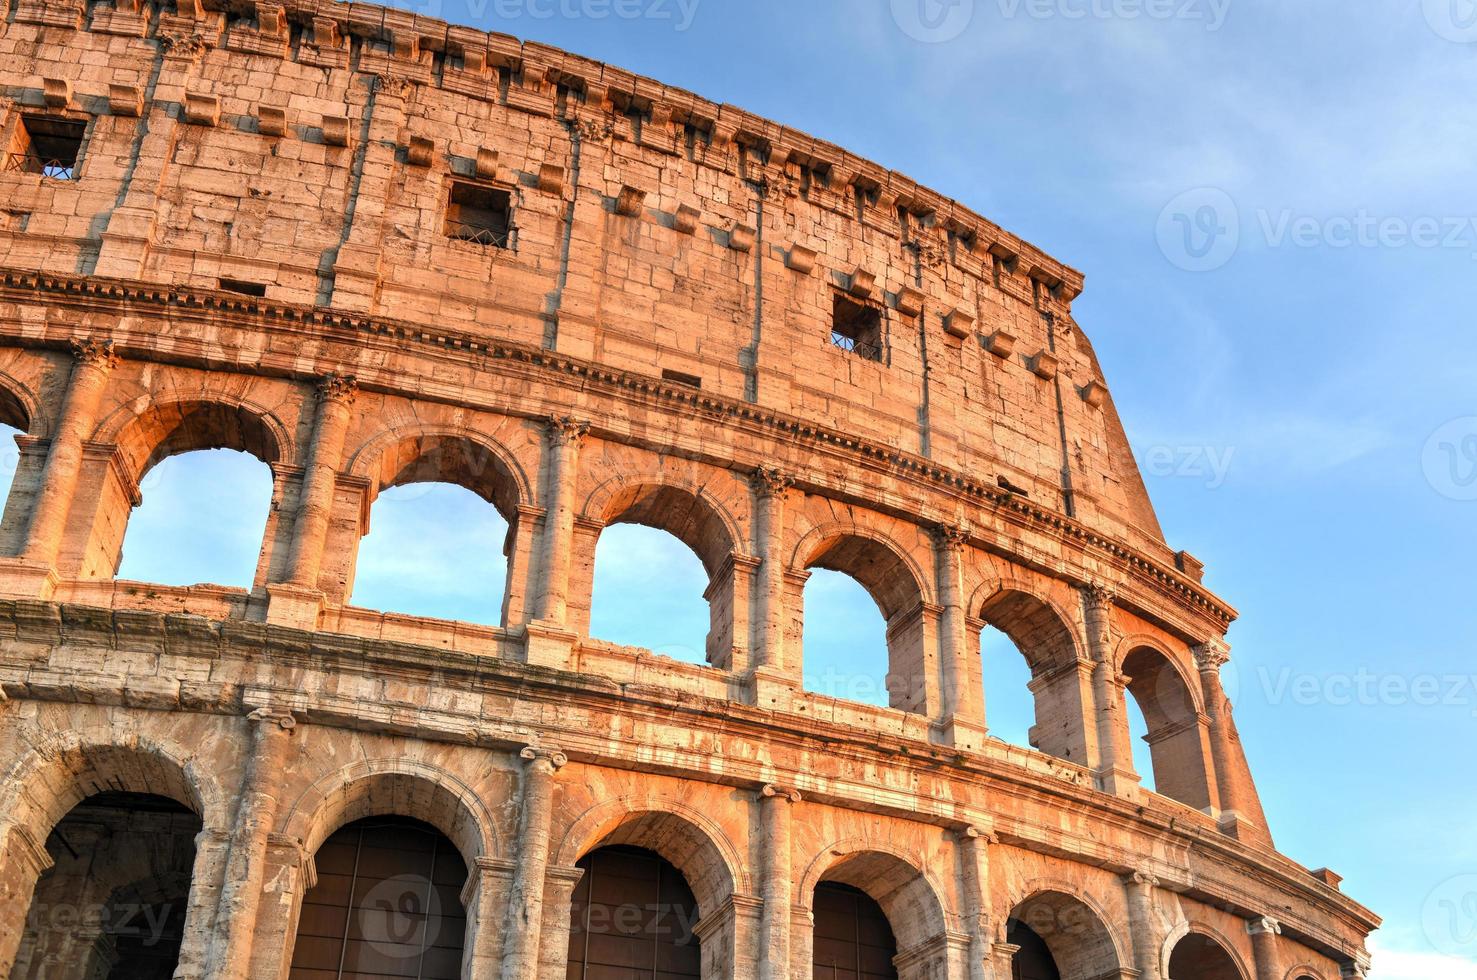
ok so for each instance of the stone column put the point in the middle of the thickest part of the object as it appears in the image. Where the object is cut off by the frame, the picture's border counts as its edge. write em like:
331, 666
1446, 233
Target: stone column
256, 812
770, 487
315, 505
1004, 957
1241, 815
1115, 773
775, 887
1355, 969
1264, 933
94, 361
963, 687
22, 860
211, 850
484, 898
1140, 887
565, 436
974, 860
526, 904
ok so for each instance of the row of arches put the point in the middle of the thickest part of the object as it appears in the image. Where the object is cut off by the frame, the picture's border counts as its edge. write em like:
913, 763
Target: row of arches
395, 846
447, 514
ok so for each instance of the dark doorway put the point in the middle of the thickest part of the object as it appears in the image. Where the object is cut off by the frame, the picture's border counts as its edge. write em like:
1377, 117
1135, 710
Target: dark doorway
632, 918
853, 939
1033, 961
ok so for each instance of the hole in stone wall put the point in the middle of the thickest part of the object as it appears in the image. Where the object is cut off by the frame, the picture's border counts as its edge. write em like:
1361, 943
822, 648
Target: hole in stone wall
677, 377
10, 458
478, 213
243, 287
433, 549
648, 593
47, 145
201, 521
856, 327
844, 640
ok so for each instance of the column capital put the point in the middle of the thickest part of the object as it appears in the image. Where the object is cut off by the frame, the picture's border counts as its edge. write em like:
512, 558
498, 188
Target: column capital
776, 791
565, 430
271, 716
340, 388
769, 481
1264, 925
1212, 655
541, 759
1140, 879
950, 537
1355, 969
1099, 595
976, 832
97, 353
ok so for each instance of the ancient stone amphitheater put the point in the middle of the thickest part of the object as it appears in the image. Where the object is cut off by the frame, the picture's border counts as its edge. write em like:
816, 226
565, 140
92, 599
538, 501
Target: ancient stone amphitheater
373, 249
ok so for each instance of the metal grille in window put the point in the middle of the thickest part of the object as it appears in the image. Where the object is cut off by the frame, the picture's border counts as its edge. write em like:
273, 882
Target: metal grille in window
46, 146
857, 327
478, 213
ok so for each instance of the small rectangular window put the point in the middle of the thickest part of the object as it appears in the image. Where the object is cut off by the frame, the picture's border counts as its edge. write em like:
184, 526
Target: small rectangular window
856, 327
48, 146
256, 289
478, 213
677, 377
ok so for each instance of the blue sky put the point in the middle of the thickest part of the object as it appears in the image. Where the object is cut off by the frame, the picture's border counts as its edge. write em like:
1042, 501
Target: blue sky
1274, 204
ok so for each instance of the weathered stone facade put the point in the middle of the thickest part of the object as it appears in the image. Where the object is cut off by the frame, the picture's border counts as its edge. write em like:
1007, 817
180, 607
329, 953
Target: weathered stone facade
262, 243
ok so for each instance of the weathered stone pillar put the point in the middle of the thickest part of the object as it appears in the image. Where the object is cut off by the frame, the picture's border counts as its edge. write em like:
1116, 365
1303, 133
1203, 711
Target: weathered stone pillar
771, 665
974, 862
1241, 810
1264, 933
565, 436
256, 812
211, 850
1004, 957
1141, 924
1114, 773
484, 899
775, 887
963, 687
315, 506
526, 904
94, 361
22, 860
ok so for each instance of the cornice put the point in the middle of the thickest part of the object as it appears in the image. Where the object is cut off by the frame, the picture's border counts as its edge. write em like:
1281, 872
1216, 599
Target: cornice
1160, 578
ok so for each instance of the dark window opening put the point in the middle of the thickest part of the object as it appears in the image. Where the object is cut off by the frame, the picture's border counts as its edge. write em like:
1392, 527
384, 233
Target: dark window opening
853, 939
243, 287
478, 213
632, 916
677, 377
387, 904
1006, 485
856, 327
47, 146
1033, 961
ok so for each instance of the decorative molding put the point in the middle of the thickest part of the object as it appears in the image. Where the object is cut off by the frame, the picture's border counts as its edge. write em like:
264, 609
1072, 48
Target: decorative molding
1212, 655
94, 353
773, 791
270, 716
543, 760
566, 431
768, 481
340, 388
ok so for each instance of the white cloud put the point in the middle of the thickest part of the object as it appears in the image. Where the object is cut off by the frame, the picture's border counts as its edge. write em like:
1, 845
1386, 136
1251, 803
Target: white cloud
1398, 964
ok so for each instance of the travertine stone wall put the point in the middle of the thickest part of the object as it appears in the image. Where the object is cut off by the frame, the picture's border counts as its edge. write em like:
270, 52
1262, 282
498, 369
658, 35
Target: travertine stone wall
975, 474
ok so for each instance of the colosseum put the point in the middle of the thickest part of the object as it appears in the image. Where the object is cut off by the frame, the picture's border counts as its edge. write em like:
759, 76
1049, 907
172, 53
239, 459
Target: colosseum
373, 249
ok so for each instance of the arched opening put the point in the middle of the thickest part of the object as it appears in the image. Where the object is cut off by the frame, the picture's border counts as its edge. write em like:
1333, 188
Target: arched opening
1060, 936
15, 424
1059, 683
1032, 959
662, 574
843, 640
387, 903
895, 591
436, 550
1177, 740
1199, 957
201, 519
112, 906
1007, 681
648, 593
853, 939
632, 915
1138, 738
443, 519
194, 516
